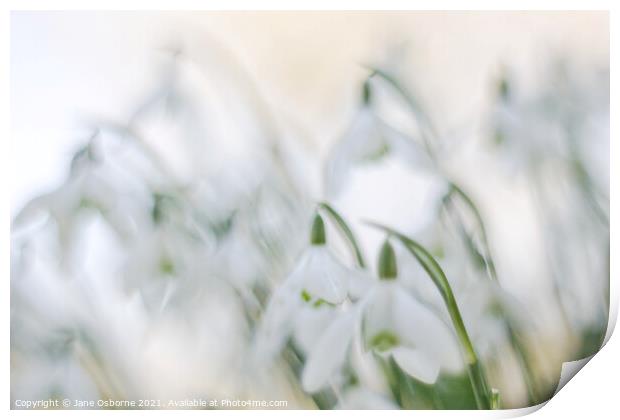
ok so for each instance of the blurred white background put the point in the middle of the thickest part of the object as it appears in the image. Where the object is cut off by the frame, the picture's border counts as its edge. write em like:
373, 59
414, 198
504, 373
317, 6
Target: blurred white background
67, 67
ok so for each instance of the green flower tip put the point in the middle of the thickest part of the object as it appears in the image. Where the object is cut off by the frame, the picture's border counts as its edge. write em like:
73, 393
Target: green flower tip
317, 235
157, 211
366, 93
387, 262
504, 89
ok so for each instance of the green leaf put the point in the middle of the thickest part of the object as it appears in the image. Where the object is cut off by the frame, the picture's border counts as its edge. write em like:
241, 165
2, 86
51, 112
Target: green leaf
433, 269
483, 259
416, 109
346, 231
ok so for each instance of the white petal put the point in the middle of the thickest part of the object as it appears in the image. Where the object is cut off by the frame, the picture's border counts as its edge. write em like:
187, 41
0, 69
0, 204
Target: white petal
405, 147
278, 322
360, 284
423, 329
417, 364
366, 196
298, 275
319, 274
378, 312
36, 209
328, 355
416, 280
361, 139
324, 277
311, 323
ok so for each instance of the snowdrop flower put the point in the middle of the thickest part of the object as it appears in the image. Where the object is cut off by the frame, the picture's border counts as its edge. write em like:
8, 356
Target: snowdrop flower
480, 300
310, 324
91, 190
530, 130
369, 139
379, 173
319, 276
306, 302
328, 356
392, 324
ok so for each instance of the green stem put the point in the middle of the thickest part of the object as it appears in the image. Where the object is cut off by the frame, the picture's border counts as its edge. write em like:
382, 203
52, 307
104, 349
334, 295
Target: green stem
495, 399
475, 371
486, 254
346, 231
420, 116
483, 257
525, 363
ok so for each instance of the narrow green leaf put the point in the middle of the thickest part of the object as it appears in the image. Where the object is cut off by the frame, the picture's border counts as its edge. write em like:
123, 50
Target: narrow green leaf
346, 231
416, 109
479, 255
433, 269
484, 259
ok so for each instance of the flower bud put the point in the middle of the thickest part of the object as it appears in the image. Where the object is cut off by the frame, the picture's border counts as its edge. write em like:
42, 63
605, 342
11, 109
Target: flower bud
504, 89
157, 211
317, 234
366, 93
387, 262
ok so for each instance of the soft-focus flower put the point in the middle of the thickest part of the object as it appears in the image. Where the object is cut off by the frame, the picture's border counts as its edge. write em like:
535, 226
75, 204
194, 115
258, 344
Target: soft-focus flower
317, 283
367, 140
395, 324
479, 300
93, 187
392, 324
375, 172
526, 134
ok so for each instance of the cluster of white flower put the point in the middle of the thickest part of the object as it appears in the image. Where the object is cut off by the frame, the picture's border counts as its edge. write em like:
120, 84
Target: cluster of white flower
143, 267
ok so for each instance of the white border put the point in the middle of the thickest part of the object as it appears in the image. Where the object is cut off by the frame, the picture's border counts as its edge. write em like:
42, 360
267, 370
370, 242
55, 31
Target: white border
309, 5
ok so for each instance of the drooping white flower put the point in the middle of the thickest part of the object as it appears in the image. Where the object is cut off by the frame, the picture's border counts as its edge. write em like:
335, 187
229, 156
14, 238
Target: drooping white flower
392, 324
376, 172
310, 324
94, 188
481, 301
329, 354
395, 324
369, 139
310, 293
320, 277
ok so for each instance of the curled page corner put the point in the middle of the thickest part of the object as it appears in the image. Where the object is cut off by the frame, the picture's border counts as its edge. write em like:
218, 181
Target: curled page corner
569, 370
613, 313
520, 412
